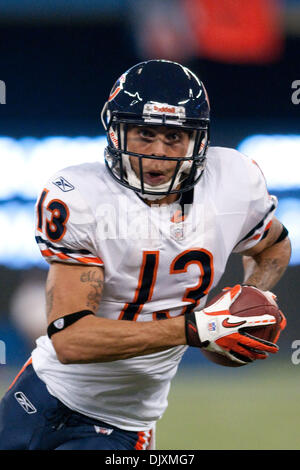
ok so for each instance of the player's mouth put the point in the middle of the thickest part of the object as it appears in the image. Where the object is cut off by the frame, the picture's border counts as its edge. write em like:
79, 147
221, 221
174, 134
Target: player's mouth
154, 177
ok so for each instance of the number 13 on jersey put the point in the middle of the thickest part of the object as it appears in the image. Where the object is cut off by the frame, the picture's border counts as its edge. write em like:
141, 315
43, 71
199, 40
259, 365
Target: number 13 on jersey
56, 226
147, 278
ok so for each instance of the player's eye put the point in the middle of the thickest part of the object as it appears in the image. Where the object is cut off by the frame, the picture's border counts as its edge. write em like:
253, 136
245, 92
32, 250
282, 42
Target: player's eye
146, 134
173, 137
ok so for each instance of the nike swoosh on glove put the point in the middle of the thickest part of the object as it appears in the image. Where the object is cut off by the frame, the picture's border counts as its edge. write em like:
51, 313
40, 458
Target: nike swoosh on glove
216, 330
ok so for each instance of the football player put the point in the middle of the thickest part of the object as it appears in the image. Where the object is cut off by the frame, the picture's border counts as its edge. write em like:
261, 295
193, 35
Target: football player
135, 244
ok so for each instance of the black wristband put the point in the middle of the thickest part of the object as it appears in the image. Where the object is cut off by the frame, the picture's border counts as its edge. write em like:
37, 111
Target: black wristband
63, 322
191, 331
283, 235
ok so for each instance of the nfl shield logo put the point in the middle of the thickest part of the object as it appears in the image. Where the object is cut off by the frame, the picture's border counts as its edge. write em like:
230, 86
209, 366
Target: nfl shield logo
177, 231
59, 323
212, 326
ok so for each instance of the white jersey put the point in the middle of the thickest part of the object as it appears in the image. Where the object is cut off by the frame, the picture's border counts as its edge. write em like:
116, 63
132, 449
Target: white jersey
156, 263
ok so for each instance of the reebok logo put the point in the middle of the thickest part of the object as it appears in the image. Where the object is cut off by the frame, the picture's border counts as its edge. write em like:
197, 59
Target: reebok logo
63, 184
25, 403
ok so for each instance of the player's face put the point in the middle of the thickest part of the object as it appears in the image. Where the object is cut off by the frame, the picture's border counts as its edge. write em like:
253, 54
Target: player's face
158, 141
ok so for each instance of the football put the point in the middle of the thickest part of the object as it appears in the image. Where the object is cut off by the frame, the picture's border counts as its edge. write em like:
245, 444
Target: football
249, 303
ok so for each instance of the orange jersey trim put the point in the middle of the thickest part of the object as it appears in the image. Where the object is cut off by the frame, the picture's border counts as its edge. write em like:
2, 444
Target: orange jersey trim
143, 440
20, 373
258, 236
85, 260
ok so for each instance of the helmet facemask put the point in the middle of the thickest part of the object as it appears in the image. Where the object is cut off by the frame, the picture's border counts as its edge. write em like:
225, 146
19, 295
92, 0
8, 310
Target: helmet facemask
187, 171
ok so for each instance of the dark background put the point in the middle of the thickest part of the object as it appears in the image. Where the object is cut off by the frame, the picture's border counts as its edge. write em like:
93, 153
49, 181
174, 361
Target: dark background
59, 75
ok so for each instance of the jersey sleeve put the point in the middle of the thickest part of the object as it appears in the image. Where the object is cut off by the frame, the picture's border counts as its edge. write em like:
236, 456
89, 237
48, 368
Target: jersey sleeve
65, 225
261, 209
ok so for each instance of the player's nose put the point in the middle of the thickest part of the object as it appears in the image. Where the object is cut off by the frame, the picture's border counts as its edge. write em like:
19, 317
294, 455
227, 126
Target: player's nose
158, 147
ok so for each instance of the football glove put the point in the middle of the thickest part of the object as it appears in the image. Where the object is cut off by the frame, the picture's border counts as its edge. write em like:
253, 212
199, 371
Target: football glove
215, 329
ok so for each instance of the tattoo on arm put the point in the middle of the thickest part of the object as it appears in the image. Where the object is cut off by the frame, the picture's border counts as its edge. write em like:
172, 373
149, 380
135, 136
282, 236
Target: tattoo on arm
93, 278
266, 273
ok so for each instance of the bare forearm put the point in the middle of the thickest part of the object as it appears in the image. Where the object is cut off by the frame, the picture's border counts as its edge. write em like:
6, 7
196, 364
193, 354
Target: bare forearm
265, 269
94, 339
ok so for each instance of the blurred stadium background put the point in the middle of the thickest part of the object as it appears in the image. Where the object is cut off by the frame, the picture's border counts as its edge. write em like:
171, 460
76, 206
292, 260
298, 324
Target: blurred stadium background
59, 60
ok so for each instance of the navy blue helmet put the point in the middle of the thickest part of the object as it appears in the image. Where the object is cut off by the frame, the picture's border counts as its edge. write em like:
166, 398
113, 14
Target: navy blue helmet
157, 93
